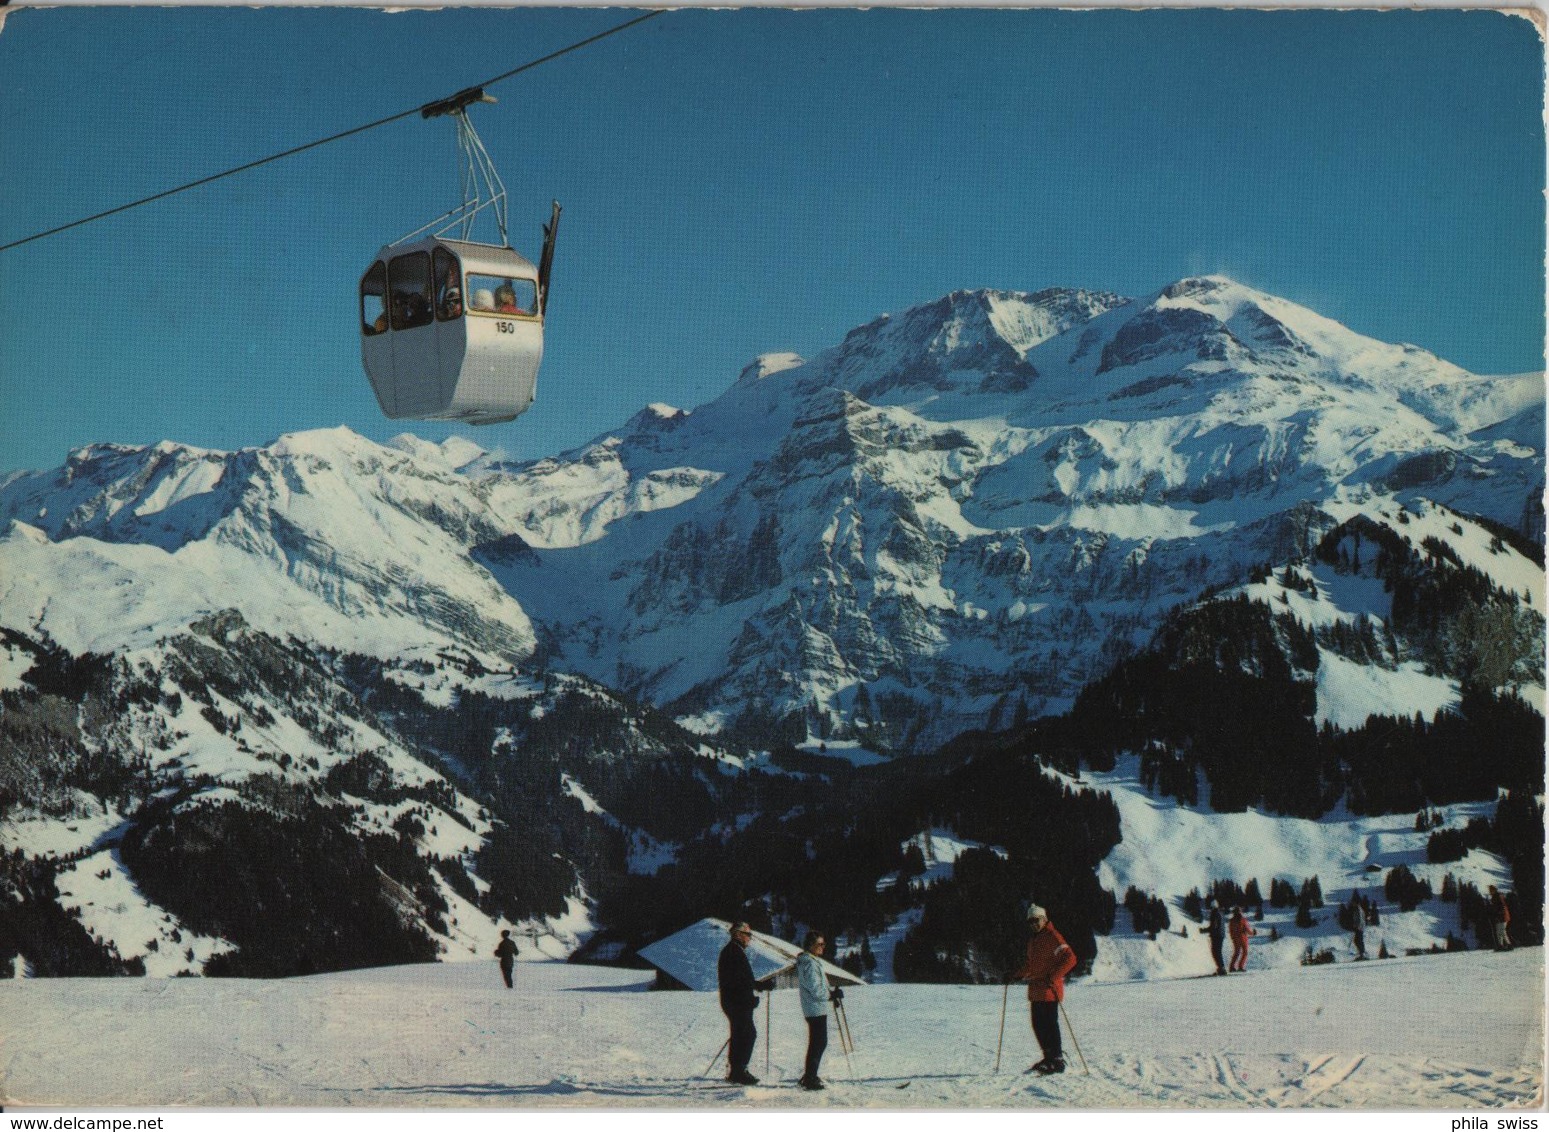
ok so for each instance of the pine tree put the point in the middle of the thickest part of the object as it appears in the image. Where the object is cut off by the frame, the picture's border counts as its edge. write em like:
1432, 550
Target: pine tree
1347, 914
1304, 911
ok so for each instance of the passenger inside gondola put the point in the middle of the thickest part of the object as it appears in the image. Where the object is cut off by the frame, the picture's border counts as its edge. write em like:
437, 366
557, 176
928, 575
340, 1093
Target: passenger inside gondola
373, 305
503, 294
411, 310
449, 296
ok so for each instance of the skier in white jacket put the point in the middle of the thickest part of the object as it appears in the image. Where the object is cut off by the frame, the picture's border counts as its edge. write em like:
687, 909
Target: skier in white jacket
814, 1005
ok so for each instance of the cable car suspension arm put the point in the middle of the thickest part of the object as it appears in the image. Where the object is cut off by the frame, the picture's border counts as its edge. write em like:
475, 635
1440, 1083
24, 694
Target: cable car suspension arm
480, 186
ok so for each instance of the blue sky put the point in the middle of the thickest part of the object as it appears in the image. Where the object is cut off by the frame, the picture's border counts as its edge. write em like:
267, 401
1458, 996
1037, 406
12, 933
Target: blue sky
734, 183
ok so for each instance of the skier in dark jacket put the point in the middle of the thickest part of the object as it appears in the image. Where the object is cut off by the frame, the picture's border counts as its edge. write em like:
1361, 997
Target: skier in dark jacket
1217, 931
505, 951
738, 1001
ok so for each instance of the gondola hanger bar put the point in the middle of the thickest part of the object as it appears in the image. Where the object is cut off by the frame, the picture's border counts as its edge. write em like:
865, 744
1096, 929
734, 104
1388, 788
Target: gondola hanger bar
457, 103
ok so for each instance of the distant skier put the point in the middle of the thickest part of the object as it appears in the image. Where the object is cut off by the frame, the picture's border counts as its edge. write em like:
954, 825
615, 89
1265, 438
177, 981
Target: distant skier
505, 951
1359, 933
1240, 930
1217, 933
1500, 920
1049, 960
734, 974
814, 1005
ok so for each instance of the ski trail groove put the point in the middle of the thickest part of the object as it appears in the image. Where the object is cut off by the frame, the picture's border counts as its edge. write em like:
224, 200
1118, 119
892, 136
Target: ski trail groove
1297, 1083
1226, 1076
1333, 1080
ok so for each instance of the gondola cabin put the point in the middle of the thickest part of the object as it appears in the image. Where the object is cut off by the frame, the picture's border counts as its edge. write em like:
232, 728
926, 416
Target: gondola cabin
451, 330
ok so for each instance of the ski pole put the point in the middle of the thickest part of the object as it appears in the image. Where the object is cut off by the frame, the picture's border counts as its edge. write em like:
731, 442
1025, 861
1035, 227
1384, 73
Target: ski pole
768, 1032
716, 1058
844, 1041
1073, 1040
1004, 995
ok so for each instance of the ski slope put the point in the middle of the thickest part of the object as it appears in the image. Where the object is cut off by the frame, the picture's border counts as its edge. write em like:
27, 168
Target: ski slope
1444, 1032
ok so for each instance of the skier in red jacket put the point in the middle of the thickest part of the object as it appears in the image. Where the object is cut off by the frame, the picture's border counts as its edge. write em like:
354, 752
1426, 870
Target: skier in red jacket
1049, 960
1500, 920
1239, 929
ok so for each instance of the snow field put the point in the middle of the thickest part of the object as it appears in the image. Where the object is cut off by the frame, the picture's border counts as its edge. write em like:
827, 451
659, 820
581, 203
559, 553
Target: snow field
1448, 1032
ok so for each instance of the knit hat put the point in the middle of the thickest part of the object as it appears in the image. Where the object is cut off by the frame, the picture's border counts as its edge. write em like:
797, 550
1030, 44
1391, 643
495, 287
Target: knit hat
1034, 912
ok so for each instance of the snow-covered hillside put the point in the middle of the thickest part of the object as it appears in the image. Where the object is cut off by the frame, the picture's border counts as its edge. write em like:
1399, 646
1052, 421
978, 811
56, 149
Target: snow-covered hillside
1173, 849
1170, 850
1449, 1032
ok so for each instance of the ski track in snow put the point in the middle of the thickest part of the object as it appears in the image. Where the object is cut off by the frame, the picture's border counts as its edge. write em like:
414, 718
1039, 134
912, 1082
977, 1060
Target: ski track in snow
1424, 1032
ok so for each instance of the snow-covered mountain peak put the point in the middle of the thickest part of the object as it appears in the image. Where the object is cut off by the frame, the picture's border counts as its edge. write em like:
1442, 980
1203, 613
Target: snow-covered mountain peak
655, 417
457, 453
767, 365
1027, 320
319, 442
1211, 322
1256, 318
341, 448
1275, 331
965, 342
